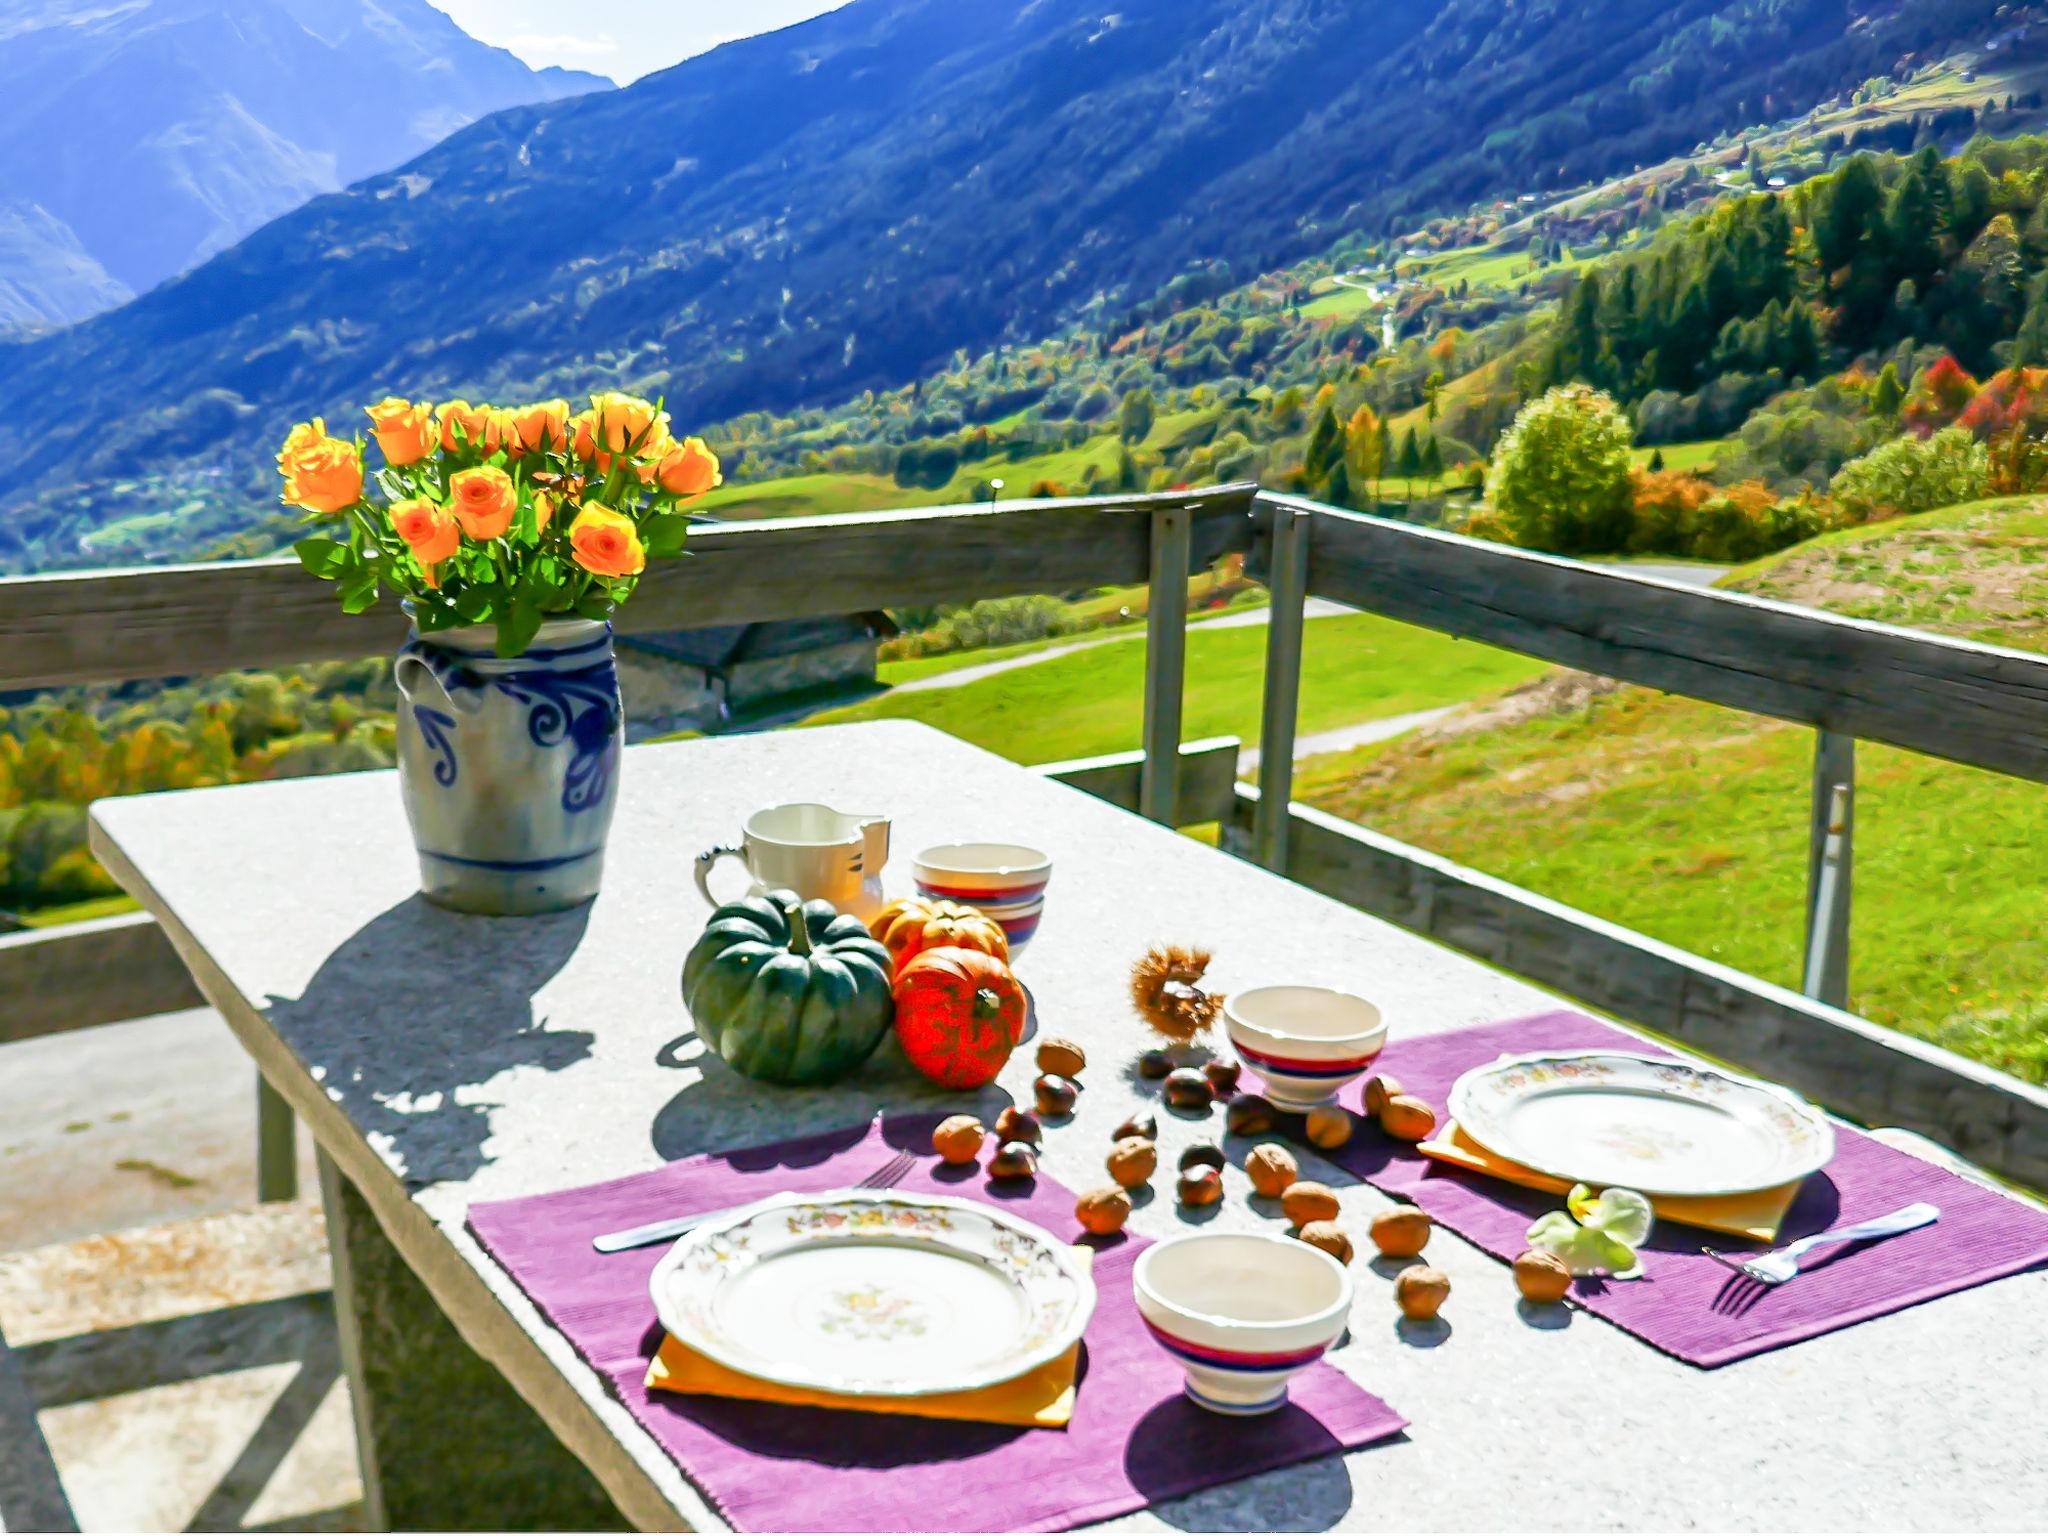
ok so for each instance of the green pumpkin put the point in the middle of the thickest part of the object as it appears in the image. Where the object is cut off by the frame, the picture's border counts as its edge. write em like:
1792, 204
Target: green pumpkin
788, 991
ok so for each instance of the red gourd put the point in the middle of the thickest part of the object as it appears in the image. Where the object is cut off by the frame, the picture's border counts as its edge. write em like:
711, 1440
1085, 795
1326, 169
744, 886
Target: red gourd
959, 1013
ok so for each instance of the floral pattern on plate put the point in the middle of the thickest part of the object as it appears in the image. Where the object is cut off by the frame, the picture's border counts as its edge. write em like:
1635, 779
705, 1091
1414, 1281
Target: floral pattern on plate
1661, 1125
874, 1292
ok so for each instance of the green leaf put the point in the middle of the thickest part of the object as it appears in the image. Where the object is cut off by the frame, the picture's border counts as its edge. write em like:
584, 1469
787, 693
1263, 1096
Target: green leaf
359, 590
325, 558
664, 535
473, 605
593, 605
517, 627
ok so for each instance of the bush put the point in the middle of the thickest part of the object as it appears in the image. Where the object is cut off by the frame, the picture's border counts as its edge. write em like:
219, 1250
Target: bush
1913, 474
1561, 473
992, 621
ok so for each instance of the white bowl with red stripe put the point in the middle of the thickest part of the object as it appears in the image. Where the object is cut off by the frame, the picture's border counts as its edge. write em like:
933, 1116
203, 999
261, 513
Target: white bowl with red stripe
1306, 1042
1242, 1312
1006, 881
983, 874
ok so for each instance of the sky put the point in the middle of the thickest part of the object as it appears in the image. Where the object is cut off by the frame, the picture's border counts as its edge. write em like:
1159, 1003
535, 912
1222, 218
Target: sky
622, 38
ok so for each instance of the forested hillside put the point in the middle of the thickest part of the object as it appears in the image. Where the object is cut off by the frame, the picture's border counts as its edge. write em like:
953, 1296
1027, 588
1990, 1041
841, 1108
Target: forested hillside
842, 205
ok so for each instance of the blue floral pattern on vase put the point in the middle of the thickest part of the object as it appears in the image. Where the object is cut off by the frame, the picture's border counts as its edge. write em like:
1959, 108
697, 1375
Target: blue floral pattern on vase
509, 765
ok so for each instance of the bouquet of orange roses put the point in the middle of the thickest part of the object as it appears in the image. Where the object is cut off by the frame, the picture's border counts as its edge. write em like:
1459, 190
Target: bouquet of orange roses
484, 515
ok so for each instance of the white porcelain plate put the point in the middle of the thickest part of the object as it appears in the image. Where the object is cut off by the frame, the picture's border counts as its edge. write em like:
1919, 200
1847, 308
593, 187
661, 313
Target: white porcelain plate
1651, 1123
872, 1292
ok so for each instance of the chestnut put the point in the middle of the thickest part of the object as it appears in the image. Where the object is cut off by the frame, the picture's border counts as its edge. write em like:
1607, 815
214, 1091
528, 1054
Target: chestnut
1015, 1124
1203, 1154
1055, 1094
1188, 1089
1014, 1160
1200, 1185
1251, 1115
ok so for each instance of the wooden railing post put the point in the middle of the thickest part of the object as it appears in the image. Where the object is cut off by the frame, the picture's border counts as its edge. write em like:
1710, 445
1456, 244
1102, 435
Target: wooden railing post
1166, 654
277, 1150
1830, 864
1287, 592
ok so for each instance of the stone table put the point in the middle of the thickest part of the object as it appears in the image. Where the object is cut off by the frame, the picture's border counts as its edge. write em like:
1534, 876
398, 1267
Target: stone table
442, 1059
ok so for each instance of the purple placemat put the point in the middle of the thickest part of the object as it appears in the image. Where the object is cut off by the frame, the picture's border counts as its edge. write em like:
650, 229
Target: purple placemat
1686, 1304
1134, 1439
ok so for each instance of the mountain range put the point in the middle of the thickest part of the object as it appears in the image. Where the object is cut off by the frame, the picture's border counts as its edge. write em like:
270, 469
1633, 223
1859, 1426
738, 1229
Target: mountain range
139, 137
843, 204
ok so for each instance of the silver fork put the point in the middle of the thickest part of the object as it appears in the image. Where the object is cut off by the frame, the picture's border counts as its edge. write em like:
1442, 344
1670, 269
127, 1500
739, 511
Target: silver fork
888, 1176
1781, 1264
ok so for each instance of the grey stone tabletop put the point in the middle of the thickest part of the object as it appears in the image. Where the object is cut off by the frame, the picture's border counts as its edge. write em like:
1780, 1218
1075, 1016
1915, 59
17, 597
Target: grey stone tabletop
444, 1059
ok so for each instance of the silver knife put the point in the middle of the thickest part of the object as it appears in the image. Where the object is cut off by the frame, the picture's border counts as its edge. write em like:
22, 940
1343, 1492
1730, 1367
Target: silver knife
658, 1231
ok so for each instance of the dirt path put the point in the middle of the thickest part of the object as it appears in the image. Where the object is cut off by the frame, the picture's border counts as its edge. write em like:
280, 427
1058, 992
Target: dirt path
959, 677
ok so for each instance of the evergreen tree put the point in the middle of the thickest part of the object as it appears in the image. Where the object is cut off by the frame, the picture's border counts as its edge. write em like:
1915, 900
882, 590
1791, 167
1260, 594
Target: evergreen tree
1325, 447
1916, 217
1385, 459
2030, 347
1656, 464
1432, 460
1408, 461
1888, 394
1337, 489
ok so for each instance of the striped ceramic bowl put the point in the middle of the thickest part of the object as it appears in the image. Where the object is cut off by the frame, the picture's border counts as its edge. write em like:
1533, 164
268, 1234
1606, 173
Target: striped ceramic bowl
983, 875
1306, 1042
1018, 920
1242, 1312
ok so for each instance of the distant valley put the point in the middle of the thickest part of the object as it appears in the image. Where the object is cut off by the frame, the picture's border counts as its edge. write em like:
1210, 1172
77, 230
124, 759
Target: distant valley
140, 137
849, 204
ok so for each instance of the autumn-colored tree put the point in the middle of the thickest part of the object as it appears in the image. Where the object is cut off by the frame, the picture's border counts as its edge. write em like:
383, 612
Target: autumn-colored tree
1940, 394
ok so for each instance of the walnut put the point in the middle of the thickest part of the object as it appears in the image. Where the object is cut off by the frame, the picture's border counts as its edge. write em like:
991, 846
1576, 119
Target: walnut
1328, 1126
1103, 1211
1379, 1088
958, 1138
1542, 1276
1272, 1169
1400, 1233
1308, 1201
1329, 1237
1132, 1161
1407, 1119
1061, 1057
1420, 1291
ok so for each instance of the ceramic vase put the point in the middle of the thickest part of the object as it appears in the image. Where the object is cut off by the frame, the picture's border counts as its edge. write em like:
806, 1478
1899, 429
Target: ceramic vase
509, 767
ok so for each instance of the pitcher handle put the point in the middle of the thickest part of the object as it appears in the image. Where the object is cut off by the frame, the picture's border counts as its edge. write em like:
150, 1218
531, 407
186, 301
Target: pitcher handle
705, 863
415, 671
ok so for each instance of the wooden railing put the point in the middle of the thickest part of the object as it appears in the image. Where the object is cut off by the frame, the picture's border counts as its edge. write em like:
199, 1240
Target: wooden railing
1846, 678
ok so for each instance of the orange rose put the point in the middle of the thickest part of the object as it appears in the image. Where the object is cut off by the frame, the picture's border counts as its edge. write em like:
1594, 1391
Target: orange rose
428, 530
485, 501
473, 420
628, 421
582, 429
690, 470
535, 427
403, 430
321, 473
607, 544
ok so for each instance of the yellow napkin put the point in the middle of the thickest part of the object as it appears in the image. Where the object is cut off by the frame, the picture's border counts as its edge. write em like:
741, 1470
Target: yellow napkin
1757, 1215
1039, 1399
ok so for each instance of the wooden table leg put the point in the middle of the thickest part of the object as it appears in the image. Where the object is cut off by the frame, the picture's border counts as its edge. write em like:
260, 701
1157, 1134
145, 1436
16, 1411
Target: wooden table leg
445, 1442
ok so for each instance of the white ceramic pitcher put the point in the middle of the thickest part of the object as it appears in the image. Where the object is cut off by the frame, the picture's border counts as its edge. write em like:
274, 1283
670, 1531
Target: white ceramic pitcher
820, 853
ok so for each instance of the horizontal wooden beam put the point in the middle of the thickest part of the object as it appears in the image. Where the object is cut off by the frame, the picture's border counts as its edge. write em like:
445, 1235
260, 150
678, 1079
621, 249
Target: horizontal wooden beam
1969, 703
194, 620
98, 972
1860, 1069
1206, 790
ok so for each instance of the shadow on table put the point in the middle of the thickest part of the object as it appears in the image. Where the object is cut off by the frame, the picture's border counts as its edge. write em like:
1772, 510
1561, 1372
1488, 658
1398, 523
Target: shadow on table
468, 1017
724, 1112
1175, 1437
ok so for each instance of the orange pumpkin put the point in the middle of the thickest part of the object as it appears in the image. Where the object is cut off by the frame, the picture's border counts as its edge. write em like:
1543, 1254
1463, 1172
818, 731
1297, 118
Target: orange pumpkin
959, 1013
909, 927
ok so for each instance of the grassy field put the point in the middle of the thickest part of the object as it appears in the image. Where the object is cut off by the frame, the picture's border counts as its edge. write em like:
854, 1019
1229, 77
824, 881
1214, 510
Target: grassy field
1355, 667
1697, 456
912, 668
1688, 822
